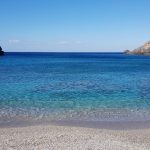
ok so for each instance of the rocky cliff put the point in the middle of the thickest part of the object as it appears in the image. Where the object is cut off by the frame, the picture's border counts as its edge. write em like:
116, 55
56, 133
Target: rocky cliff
143, 50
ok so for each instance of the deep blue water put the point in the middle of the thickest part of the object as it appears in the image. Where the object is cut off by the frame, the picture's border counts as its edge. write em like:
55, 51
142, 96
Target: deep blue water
81, 86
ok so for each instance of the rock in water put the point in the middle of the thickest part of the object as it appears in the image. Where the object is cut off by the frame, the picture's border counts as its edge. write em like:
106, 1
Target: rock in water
1, 51
143, 50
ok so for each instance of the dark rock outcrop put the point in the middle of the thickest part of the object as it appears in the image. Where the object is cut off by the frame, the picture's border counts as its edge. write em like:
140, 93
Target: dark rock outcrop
127, 51
143, 50
1, 51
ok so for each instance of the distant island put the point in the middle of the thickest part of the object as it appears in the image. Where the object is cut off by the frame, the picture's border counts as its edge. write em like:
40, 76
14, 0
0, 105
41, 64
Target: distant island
1, 51
143, 50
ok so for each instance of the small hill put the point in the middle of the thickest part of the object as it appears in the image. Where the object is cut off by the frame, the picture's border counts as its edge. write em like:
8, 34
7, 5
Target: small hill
143, 50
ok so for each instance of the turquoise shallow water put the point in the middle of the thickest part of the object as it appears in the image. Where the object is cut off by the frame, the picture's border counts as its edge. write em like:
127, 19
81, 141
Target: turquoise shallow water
74, 86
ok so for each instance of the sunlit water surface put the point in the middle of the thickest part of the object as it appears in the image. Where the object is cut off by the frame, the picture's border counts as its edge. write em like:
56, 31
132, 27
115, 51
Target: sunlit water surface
74, 86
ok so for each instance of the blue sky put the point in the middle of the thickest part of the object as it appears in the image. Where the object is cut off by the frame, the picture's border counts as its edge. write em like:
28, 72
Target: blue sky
73, 25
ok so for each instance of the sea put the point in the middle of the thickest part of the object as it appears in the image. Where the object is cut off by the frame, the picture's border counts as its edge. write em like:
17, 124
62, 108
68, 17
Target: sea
74, 86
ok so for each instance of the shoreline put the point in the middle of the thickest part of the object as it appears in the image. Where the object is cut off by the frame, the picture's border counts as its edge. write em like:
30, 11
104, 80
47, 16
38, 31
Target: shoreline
108, 125
102, 118
74, 135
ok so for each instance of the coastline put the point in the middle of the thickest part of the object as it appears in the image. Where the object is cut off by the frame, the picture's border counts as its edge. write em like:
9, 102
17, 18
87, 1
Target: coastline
111, 119
104, 125
72, 138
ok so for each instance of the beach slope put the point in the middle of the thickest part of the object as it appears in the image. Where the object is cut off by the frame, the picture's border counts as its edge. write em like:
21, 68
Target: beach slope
50, 137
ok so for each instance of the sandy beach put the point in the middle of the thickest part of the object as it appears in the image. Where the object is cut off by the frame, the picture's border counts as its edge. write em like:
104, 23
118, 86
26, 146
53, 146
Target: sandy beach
51, 137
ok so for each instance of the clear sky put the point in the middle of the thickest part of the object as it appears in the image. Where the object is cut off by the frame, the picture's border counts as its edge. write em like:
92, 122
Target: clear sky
74, 25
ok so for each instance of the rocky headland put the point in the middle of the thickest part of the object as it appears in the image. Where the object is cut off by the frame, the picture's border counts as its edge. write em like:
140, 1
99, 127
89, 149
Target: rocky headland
143, 50
1, 51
